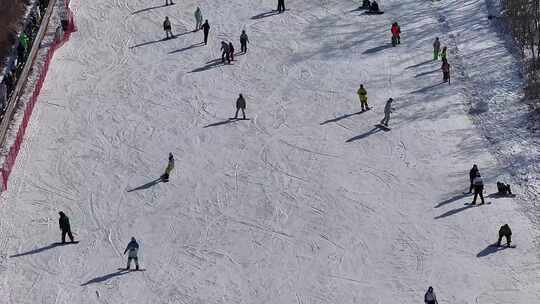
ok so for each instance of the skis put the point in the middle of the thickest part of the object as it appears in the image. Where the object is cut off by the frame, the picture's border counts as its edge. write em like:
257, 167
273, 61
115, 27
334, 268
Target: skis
480, 204
130, 270
66, 243
503, 246
385, 128
232, 118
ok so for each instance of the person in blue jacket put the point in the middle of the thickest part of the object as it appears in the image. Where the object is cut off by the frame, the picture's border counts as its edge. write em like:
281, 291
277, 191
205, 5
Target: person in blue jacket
132, 250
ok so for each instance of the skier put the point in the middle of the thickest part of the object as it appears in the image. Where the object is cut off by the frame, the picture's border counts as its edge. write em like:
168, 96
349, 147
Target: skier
243, 42
429, 297
231, 51
206, 30
362, 94
443, 53
436, 48
132, 249
365, 5
198, 19
168, 169
396, 31
445, 67
505, 231
374, 8
167, 2
65, 227
472, 175
281, 6
503, 189
167, 28
478, 185
225, 52
387, 111
240, 105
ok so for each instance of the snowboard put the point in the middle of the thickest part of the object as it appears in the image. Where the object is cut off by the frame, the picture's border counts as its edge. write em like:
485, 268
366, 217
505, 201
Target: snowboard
232, 118
374, 13
66, 243
503, 246
477, 204
386, 128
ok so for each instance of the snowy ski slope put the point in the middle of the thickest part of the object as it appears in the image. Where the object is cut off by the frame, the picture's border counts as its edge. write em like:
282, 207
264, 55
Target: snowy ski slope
307, 202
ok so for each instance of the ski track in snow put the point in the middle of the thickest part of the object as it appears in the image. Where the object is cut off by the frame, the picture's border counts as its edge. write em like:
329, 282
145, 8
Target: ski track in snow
307, 202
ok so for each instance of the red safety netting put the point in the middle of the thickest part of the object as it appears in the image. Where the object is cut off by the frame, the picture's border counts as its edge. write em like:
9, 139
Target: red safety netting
9, 161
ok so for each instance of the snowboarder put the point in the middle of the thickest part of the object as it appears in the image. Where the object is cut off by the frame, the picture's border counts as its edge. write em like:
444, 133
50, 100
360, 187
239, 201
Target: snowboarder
429, 297
443, 53
225, 55
243, 42
366, 4
167, 28
505, 231
65, 227
362, 94
503, 189
472, 175
206, 30
231, 51
436, 48
387, 111
167, 2
132, 249
240, 105
281, 6
374, 8
478, 185
168, 169
445, 67
198, 19
396, 31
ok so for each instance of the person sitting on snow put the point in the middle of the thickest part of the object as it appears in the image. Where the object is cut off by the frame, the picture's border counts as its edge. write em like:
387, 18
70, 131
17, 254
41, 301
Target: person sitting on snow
374, 7
366, 4
503, 189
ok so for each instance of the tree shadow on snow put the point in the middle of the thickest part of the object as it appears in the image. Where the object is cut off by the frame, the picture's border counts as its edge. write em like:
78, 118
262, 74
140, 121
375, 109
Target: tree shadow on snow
209, 65
341, 117
364, 135
195, 45
38, 250
377, 49
452, 199
105, 277
149, 8
490, 249
454, 211
147, 185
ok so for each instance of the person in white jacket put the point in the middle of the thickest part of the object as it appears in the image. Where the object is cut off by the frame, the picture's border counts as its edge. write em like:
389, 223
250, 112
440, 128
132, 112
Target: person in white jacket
429, 297
478, 186
387, 111
198, 19
132, 250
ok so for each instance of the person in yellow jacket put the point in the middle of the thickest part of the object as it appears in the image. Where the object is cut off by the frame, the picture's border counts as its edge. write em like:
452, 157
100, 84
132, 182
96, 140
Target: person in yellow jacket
168, 170
362, 94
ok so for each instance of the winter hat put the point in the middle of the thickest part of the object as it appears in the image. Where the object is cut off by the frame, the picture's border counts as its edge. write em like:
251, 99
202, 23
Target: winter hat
171, 156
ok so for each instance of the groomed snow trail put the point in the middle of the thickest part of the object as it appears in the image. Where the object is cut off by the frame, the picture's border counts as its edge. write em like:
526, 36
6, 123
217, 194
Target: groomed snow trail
304, 203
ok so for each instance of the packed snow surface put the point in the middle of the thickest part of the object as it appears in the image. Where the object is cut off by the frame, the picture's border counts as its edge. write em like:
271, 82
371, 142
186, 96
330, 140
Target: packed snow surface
307, 202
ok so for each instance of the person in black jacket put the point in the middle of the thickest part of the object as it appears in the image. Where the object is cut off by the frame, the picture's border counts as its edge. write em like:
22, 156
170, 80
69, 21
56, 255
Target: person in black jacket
206, 30
240, 105
231, 51
65, 227
506, 232
243, 42
472, 175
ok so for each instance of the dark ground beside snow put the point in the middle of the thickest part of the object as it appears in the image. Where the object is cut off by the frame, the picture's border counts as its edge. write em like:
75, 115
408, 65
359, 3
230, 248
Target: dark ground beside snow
11, 12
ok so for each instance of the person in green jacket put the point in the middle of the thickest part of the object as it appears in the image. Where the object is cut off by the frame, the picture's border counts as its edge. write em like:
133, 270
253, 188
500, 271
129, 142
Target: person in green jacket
198, 19
443, 53
24, 40
168, 169
362, 94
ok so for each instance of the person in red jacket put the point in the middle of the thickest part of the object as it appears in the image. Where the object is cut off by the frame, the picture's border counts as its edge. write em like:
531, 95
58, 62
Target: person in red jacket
396, 31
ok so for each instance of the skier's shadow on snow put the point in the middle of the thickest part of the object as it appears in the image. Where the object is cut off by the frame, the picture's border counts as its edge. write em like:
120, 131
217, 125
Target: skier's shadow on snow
452, 199
38, 250
219, 123
105, 277
195, 45
424, 90
490, 249
266, 14
498, 195
377, 49
453, 211
420, 64
364, 135
426, 73
160, 40
147, 185
150, 8
209, 65
340, 118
